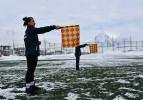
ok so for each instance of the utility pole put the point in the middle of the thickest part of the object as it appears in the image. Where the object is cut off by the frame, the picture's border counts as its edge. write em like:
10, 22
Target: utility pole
13, 46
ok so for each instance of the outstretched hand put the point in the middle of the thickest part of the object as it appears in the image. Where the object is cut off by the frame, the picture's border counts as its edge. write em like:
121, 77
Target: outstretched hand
58, 27
86, 44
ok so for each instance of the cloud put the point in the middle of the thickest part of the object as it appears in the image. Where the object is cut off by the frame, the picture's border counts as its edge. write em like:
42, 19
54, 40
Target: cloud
94, 16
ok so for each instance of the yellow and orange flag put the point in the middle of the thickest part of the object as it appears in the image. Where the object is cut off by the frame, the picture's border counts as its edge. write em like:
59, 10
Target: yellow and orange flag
70, 36
93, 48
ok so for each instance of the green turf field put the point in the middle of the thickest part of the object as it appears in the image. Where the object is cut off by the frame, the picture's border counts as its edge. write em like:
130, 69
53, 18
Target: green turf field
65, 83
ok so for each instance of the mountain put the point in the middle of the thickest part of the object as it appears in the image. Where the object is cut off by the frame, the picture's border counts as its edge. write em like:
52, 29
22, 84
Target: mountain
105, 37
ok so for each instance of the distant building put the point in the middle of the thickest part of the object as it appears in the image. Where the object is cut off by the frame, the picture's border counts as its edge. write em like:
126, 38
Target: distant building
5, 50
20, 51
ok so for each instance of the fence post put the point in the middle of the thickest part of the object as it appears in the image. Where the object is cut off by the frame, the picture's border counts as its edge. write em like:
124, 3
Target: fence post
55, 47
118, 45
45, 46
113, 43
130, 43
49, 47
61, 49
142, 44
101, 47
124, 45
107, 43
13, 44
136, 45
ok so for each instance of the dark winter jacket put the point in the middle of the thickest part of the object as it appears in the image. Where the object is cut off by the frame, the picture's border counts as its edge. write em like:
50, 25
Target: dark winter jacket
31, 39
78, 51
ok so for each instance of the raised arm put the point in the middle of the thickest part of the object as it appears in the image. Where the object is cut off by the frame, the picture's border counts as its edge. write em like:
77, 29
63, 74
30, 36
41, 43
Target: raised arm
83, 45
42, 30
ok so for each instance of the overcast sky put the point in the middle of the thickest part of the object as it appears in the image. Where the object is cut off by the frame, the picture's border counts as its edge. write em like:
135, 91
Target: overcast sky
123, 18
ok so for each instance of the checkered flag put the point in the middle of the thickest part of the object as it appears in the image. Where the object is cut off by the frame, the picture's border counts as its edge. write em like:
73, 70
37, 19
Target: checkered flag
93, 48
70, 36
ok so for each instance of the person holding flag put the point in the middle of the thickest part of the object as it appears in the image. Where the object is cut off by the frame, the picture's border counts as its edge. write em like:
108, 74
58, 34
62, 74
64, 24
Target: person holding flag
78, 54
32, 49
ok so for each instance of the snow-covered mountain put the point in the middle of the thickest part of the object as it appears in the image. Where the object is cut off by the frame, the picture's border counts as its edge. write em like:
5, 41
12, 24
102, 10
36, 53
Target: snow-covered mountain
105, 37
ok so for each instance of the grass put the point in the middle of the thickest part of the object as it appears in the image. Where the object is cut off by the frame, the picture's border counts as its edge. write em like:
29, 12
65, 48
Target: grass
87, 83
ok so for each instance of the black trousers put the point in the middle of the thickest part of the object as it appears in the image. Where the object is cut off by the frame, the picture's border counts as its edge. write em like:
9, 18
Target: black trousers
77, 62
31, 66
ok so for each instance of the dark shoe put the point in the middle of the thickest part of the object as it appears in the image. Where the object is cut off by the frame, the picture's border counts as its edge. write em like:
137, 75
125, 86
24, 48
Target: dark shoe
29, 90
35, 90
35, 87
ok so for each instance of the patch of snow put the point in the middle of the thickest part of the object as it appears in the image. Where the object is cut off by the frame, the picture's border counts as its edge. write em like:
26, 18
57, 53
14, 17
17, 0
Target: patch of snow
140, 76
136, 84
71, 96
129, 89
8, 94
12, 57
131, 95
50, 85
119, 98
83, 79
1, 85
87, 94
123, 81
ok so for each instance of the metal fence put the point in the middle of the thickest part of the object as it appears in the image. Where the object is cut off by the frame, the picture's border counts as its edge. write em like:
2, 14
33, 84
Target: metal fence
47, 48
124, 46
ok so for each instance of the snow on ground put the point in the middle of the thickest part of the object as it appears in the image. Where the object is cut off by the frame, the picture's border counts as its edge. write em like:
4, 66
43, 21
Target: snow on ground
131, 95
100, 59
119, 98
12, 57
71, 96
124, 88
8, 94
58, 62
123, 81
99, 56
140, 76
51, 85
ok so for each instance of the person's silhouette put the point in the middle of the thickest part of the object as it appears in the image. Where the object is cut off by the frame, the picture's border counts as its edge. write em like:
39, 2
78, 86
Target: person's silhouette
78, 54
